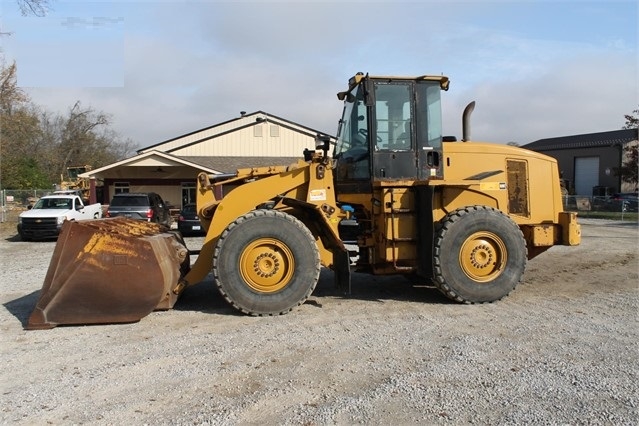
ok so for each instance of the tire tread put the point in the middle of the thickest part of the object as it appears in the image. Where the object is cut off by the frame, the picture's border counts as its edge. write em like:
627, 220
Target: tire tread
442, 229
265, 213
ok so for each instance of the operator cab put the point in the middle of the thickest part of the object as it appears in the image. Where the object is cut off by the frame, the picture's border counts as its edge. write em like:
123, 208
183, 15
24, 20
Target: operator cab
391, 129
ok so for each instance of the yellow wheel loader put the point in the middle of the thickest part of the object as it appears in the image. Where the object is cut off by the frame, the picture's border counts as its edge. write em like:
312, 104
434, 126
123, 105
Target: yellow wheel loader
463, 215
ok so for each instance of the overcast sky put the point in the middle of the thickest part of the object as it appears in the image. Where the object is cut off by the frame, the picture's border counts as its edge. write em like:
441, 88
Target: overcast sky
163, 68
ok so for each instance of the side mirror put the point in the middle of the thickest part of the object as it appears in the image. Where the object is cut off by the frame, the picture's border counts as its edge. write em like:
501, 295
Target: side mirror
323, 142
308, 154
348, 96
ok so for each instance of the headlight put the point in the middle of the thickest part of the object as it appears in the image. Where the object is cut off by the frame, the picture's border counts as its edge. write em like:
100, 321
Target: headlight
61, 219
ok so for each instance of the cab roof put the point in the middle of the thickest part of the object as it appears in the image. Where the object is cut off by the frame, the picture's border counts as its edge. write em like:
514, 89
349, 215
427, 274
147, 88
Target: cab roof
444, 82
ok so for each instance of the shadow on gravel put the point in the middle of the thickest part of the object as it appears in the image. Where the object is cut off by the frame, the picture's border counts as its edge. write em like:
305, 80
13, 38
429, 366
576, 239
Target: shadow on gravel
16, 239
379, 288
204, 297
21, 307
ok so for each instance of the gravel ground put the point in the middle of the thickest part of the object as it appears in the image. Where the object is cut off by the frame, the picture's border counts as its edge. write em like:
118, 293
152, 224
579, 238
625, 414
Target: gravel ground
561, 349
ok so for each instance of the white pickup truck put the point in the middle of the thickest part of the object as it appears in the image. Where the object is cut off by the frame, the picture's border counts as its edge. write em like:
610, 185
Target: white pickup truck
46, 217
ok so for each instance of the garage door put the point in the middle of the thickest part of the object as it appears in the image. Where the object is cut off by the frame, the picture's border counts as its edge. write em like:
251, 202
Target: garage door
586, 175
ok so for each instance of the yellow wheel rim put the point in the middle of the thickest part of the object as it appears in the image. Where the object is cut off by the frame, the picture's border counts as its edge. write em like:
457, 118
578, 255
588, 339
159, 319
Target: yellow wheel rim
483, 256
267, 265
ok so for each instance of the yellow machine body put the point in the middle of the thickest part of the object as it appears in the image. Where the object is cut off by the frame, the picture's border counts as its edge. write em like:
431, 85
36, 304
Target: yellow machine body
465, 216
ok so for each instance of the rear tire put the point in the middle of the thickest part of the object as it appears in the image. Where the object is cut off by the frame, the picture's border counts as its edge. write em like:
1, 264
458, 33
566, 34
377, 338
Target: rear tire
266, 263
480, 255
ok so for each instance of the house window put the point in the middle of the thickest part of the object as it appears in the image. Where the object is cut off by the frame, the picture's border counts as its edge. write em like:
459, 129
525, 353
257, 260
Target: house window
275, 131
257, 131
121, 187
188, 193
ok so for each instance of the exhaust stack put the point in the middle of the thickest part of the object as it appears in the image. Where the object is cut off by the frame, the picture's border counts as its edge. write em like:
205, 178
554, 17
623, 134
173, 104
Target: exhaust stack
466, 121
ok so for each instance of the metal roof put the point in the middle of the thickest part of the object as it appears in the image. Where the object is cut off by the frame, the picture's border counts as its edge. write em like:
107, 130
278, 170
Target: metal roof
231, 164
588, 140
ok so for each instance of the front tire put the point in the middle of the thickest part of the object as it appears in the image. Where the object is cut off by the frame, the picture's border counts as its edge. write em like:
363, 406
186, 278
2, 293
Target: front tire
480, 255
23, 236
266, 263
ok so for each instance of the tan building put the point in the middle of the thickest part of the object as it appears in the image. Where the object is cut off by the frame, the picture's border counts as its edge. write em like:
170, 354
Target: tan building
170, 167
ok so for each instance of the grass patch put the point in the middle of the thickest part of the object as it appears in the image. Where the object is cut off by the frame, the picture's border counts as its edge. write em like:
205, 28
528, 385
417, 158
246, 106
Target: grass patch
626, 216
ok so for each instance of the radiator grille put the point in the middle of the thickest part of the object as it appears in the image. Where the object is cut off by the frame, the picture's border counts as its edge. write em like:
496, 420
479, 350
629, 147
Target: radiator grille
518, 187
40, 222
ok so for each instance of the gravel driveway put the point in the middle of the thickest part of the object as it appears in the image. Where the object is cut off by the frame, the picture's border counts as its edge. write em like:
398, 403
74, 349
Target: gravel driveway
561, 349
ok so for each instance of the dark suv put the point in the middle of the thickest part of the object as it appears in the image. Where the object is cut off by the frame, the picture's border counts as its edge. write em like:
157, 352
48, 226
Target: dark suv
147, 206
189, 222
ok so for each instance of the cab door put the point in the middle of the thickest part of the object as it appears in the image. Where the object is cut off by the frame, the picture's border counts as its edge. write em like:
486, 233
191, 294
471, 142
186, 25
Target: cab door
394, 145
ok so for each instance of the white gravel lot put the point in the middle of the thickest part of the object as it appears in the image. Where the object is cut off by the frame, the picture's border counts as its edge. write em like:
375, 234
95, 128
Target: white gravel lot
561, 349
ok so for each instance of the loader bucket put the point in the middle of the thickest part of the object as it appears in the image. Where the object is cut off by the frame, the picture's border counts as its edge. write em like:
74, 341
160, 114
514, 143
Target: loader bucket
110, 271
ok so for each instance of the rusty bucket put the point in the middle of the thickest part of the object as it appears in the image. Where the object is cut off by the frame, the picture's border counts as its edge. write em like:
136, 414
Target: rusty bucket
110, 271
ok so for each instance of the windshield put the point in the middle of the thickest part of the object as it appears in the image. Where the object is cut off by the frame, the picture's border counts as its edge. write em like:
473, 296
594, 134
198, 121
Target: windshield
75, 171
352, 129
189, 209
130, 201
352, 148
53, 203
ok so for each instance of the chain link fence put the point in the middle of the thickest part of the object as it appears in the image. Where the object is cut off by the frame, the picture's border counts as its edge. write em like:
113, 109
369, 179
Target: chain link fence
600, 206
16, 201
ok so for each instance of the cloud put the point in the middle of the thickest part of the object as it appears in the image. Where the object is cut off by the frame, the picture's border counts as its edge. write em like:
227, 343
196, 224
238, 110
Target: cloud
585, 94
192, 65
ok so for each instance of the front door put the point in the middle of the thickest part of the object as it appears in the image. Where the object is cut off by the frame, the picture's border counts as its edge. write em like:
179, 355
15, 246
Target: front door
394, 154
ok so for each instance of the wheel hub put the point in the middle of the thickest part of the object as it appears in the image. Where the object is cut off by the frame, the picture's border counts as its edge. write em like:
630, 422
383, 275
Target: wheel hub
267, 265
483, 256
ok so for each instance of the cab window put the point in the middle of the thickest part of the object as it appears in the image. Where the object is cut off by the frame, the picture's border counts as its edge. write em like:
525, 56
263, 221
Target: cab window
393, 116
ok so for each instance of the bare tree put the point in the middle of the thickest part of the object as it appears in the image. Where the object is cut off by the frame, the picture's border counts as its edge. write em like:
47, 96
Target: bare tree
33, 7
10, 94
79, 136
37, 146
632, 120
630, 165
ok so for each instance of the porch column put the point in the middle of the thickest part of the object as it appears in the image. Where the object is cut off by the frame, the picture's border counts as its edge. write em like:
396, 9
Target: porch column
92, 196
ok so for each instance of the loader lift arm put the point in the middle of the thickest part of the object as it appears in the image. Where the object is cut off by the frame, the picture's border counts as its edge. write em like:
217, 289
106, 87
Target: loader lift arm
300, 190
